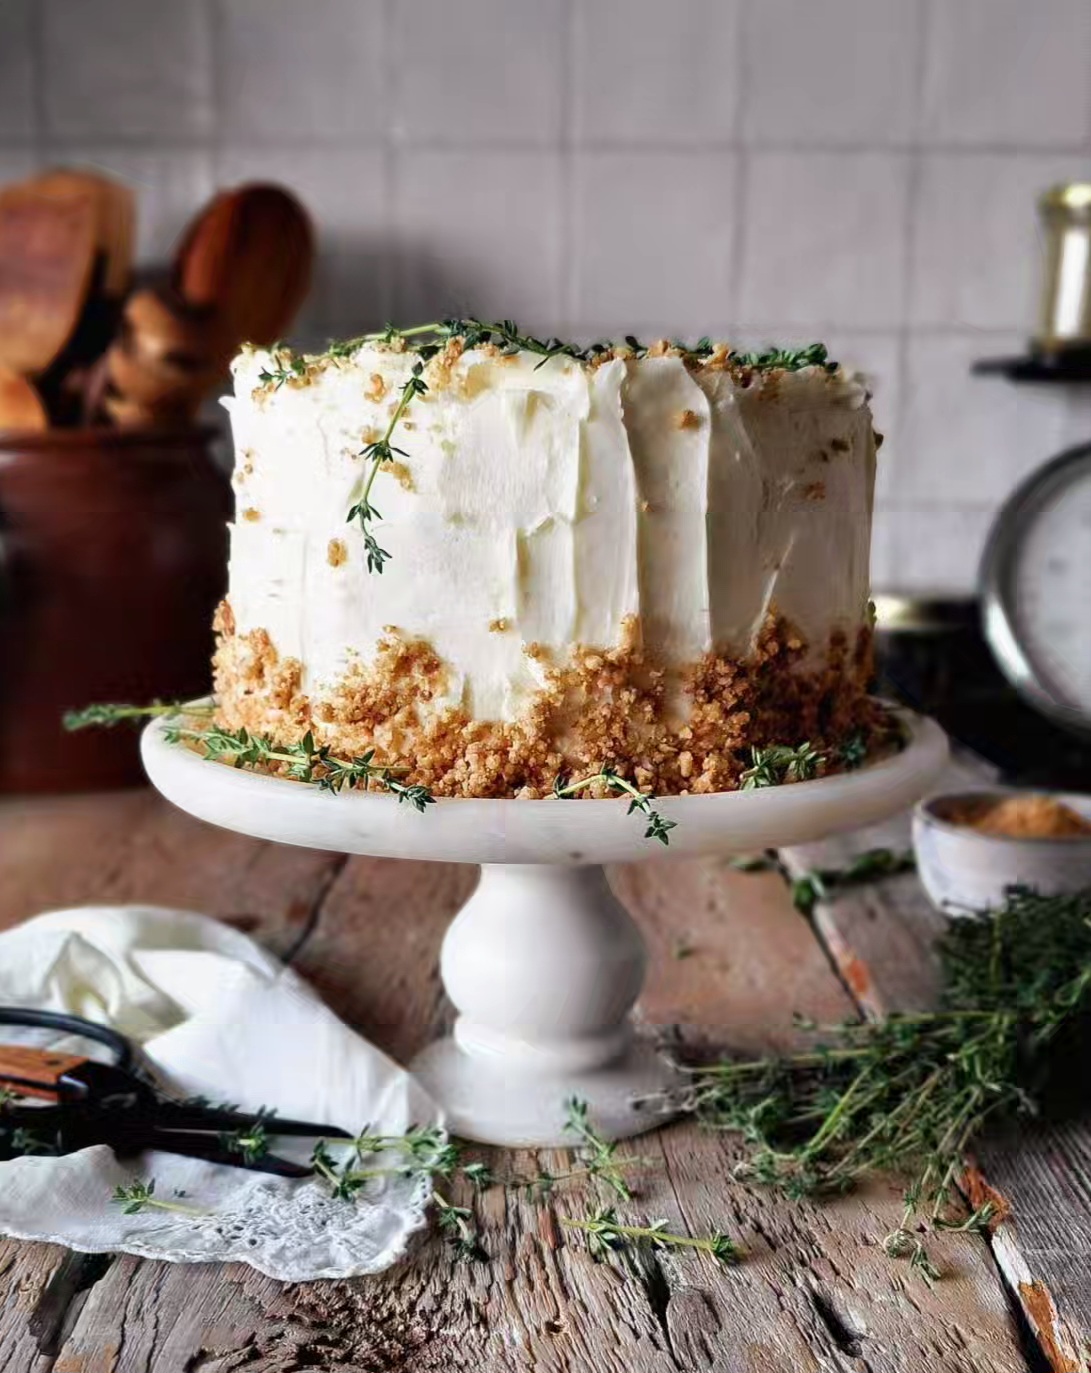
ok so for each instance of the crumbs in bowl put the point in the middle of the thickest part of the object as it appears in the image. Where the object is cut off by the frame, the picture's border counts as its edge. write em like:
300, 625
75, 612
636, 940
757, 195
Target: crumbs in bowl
1032, 816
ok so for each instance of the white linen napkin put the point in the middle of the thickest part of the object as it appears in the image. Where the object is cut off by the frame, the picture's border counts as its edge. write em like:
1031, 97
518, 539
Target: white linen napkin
218, 1017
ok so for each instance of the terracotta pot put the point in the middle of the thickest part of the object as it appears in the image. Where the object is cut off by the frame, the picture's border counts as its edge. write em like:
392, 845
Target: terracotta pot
113, 554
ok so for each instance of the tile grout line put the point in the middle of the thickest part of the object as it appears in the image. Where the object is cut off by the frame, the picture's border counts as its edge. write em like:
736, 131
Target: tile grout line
921, 31
694, 149
740, 239
567, 308
39, 140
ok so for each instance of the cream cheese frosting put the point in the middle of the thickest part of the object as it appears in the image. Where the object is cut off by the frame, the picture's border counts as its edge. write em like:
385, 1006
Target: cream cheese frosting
539, 506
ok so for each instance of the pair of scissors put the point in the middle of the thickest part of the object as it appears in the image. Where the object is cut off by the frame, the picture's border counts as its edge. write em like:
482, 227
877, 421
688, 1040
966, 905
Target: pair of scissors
119, 1104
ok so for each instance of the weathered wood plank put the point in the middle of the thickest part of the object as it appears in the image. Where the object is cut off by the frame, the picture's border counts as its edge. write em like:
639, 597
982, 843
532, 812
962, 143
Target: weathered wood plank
132, 846
881, 938
26, 1330
747, 960
816, 1292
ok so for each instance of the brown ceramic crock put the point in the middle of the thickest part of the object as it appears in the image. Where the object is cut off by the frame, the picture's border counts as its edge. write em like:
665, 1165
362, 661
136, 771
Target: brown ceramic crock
113, 554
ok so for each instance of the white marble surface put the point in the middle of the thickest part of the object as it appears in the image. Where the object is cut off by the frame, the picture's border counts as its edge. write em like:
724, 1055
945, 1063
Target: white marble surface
543, 964
547, 831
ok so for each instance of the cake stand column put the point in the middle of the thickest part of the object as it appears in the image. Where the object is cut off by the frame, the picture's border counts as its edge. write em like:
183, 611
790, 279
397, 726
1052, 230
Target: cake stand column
543, 964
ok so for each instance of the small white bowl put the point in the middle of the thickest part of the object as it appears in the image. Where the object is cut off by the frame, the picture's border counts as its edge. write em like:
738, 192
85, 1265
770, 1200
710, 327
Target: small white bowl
965, 872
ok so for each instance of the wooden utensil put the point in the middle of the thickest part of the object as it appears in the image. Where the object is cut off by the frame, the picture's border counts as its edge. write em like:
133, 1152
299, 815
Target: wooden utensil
115, 219
47, 256
240, 274
164, 359
64, 383
249, 256
21, 407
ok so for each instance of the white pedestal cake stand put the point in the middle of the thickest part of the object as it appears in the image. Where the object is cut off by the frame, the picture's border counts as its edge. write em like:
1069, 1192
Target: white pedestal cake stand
542, 963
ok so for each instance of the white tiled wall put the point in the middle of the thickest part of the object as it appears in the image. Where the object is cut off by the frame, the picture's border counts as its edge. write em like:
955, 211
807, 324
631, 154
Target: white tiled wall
858, 170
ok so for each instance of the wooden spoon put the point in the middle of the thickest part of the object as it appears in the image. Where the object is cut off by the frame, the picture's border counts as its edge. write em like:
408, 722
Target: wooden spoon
21, 407
47, 257
249, 256
115, 219
239, 275
161, 364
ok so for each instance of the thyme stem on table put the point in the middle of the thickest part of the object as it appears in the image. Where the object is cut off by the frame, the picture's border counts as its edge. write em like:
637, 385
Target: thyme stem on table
820, 883
606, 1233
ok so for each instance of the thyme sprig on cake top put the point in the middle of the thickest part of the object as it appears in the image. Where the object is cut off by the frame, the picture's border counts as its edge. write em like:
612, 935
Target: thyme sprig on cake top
617, 561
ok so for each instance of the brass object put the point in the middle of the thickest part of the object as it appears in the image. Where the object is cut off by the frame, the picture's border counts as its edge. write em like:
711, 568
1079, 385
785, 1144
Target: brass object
1065, 314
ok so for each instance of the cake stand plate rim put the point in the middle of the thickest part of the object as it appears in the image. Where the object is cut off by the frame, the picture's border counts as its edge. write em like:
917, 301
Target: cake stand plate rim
483, 830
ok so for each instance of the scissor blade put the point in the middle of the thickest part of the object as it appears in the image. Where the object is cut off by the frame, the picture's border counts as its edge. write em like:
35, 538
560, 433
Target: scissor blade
180, 1115
197, 1144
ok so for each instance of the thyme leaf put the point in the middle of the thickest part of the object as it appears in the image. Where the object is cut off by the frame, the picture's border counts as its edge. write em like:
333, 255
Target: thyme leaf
139, 1195
811, 887
780, 763
110, 715
658, 827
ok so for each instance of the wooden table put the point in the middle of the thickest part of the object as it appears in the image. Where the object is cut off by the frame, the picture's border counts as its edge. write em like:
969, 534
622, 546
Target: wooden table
731, 961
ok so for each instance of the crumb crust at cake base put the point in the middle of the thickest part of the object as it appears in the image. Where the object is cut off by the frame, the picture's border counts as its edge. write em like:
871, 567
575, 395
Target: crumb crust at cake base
602, 708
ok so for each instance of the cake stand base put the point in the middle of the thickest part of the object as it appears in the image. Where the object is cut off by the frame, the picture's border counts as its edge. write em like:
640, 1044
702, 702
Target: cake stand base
491, 1103
543, 964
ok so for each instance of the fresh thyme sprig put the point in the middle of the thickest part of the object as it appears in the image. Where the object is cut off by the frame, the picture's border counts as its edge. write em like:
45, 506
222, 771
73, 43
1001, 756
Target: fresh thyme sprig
287, 366
139, 1195
853, 753
606, 1234
779, 763
599, 1156
423, 1152
480, 1175
909, 1094
596, 1158
252, 1141
22, 1141
658, 827
786, 359
109, 715
383, 450
457, 1224
306, 761
509, 338
817, 885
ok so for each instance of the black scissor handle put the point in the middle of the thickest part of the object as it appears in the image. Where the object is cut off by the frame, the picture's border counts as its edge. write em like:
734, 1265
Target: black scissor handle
74, 1025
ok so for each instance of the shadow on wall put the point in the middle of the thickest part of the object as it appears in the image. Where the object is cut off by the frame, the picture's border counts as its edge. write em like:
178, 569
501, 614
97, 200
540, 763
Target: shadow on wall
360, 287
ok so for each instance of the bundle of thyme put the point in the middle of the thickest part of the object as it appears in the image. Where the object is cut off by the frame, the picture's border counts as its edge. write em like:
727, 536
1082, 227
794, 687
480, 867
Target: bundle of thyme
909, 1095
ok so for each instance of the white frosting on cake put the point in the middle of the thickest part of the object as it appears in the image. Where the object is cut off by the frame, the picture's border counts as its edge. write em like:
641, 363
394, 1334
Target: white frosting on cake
547, 504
